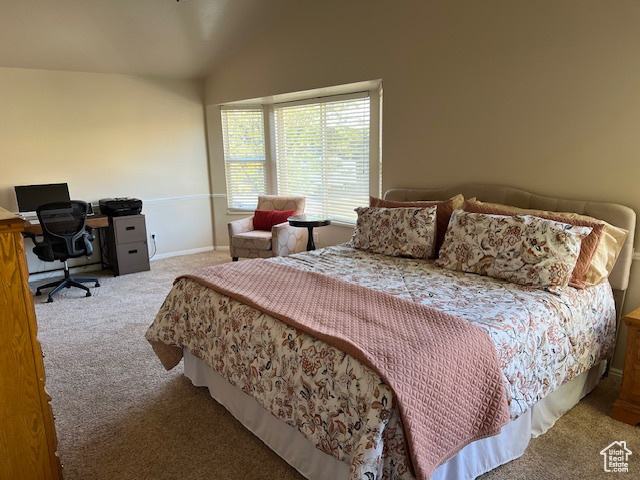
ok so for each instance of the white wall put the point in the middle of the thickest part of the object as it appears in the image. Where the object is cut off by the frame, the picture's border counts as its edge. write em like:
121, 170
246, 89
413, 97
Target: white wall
111, 136
543, 96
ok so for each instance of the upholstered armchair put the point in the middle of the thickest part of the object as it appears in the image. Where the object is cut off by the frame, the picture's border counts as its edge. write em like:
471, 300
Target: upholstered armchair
282, 239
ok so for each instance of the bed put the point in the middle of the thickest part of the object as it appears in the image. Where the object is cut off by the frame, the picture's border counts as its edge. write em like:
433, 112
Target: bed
330, 414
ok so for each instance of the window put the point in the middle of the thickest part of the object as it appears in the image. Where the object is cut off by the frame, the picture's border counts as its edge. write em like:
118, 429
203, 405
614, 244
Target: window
322, 152
325, 148
244, 156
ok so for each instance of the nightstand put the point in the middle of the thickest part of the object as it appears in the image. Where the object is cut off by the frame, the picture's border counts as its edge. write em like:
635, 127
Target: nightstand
309, 222
627, 407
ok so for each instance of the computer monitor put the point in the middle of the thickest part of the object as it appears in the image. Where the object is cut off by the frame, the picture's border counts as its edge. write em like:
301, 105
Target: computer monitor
30, 197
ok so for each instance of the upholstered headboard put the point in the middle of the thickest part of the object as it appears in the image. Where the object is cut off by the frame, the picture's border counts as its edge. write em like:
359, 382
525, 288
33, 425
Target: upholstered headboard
612, 213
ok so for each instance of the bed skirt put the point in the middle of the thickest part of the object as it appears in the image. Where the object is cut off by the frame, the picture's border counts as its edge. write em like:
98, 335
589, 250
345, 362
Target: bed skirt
472, 461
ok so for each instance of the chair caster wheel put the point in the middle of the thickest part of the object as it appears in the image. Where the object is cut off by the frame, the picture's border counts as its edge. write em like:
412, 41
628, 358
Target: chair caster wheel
88, 294
38, 293
97, 284
49, 300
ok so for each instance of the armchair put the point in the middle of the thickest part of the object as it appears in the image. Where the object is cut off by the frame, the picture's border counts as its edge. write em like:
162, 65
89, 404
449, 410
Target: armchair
283, 239
65, 236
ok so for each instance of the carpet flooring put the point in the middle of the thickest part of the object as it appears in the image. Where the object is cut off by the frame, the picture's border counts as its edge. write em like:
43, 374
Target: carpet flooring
121, 416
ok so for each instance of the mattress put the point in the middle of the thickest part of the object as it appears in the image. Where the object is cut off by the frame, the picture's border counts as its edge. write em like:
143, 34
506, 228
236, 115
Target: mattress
341, 406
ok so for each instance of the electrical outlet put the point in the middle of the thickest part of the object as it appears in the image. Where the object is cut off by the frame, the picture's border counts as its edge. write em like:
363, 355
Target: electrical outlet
154, 236
316, 237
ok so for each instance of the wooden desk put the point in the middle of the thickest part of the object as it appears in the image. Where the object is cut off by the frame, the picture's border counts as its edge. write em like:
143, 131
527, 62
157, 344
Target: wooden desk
93, 221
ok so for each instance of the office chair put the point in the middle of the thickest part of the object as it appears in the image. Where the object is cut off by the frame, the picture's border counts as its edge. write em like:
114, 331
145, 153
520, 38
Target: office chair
65, 236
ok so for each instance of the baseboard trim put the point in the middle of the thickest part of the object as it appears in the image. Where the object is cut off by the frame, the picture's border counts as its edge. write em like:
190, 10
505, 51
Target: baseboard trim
222, 248
52, 274
33, 277
615, 371
182, 252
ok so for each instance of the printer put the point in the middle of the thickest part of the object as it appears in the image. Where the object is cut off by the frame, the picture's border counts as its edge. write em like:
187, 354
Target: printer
119, 207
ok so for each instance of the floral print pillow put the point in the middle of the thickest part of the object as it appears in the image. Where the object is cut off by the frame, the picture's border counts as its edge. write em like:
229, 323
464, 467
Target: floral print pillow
521, 249
398, 232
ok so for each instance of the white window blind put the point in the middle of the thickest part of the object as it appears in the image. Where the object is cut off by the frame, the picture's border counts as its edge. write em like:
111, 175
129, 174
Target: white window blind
244, 156
322, 152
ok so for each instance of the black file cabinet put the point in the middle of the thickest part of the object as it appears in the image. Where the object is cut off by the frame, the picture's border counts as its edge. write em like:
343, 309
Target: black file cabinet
127, 244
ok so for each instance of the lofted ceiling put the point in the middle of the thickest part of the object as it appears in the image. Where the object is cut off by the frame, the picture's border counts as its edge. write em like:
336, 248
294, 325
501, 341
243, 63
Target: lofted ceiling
183, 39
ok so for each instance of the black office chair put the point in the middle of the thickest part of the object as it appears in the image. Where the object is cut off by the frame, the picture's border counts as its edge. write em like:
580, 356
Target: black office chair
65, 236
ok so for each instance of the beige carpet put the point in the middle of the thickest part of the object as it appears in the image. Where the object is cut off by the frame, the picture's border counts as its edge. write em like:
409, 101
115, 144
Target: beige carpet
120, 416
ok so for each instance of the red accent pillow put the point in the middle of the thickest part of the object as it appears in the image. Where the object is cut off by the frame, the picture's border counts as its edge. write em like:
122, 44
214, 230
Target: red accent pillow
265, 219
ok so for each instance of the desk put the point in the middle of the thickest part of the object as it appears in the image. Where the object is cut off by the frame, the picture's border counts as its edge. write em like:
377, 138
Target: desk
93, 221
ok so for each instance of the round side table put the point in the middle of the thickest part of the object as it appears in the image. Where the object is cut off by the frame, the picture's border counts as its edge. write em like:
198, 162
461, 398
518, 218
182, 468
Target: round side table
310, 222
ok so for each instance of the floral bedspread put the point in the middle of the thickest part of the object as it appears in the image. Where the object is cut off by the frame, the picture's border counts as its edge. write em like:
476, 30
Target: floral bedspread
542, 340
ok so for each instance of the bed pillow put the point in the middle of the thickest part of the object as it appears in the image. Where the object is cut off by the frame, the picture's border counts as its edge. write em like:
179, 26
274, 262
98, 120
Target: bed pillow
608, 247
587, 247
398, 232
443, 213
522, 249
266, 219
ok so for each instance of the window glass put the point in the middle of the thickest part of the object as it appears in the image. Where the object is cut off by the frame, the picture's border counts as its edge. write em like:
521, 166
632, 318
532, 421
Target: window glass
244, 156
322, 152
319, 148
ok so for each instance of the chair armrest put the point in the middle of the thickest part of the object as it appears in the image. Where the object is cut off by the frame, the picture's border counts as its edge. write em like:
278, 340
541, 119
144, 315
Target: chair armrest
42, 249
240, 226
34, 238
286, 239
89, 233
88, 246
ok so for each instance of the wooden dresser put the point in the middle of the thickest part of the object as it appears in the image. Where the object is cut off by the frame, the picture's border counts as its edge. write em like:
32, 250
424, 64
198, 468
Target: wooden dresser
627, 407
27, 432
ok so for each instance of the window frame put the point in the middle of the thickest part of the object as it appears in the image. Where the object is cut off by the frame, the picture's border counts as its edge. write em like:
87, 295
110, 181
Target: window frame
266, 166
372, 89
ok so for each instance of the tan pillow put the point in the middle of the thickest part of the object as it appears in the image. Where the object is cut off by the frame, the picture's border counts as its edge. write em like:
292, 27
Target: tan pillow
609, 244
444, 208
603, 261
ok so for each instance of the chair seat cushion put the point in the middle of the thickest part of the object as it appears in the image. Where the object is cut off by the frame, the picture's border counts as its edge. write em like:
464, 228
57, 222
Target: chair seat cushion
255, 240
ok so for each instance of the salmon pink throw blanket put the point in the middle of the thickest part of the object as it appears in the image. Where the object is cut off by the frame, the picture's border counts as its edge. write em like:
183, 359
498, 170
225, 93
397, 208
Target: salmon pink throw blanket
443, 370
